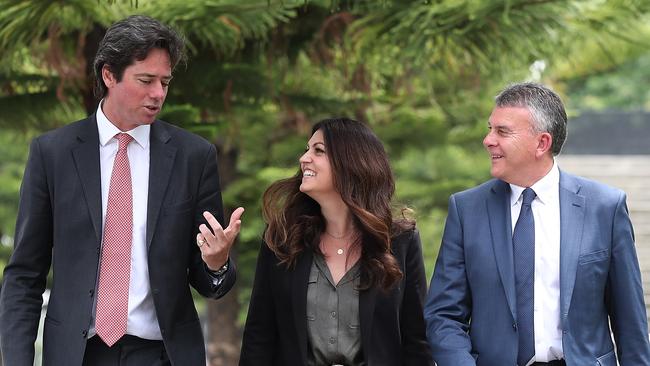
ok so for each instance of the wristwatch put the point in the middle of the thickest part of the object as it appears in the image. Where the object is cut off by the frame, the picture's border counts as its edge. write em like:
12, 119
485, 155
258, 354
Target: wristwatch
221, 270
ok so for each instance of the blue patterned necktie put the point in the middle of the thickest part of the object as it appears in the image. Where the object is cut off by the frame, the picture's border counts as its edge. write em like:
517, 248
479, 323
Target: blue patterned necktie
523, 241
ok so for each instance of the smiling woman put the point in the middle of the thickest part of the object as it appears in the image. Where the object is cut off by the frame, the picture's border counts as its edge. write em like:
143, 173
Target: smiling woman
337, 277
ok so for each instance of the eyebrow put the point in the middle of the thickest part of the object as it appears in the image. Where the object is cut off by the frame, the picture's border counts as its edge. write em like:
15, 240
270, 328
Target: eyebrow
498, 126
169, 77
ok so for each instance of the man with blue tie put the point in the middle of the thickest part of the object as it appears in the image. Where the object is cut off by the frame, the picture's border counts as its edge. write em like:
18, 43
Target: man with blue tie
536, 266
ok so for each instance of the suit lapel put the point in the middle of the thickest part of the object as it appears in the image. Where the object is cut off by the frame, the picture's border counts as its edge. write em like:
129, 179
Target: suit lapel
498, 206
160, 167
86, 159
299, 284
572, 214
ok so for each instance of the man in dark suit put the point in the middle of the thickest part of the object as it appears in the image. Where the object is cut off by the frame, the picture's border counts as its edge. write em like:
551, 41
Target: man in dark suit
537, 266
126, 209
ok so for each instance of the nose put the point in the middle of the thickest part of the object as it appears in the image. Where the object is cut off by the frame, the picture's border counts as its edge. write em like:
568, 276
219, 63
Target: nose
305, 158
489, 139
158, 91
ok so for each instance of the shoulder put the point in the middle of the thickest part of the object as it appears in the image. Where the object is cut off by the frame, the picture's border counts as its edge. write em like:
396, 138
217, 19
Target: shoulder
480, 191
74, 130
179, 136
405, 241
53, 143
589, 188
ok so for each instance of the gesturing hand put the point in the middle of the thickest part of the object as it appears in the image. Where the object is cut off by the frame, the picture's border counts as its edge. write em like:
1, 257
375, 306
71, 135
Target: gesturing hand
215, 243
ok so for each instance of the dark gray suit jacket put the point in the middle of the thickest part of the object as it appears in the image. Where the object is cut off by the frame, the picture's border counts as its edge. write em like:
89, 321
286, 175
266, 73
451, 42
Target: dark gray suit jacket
60, 225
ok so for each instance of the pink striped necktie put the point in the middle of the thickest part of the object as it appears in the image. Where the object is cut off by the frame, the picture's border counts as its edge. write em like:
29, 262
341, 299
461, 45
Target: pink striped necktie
115, 266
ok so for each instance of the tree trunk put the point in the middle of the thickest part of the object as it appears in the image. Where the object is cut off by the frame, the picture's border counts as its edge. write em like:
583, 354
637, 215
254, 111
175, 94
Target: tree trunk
90, 50
224, 335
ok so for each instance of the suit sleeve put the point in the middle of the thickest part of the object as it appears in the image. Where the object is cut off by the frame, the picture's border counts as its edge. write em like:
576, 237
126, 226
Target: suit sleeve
209, 199
449, 302
415, 349
260, 332
624, 293
26, 273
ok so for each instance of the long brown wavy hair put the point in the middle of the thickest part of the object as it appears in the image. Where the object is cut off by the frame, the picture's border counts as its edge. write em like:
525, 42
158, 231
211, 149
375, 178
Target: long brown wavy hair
364, 179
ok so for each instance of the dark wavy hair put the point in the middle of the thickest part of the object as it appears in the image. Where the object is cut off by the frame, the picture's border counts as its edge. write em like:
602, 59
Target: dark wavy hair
130, 40
363, 177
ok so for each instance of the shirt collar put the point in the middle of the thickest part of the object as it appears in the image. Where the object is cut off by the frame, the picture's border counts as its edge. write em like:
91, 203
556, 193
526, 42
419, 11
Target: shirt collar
545, 188
107, 130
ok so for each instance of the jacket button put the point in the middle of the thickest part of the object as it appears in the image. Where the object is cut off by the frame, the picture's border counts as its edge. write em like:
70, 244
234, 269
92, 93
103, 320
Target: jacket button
90, 292
514, 326
84, 333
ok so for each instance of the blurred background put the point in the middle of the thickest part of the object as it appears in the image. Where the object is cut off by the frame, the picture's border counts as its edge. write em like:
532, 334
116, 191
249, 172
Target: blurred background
422, 73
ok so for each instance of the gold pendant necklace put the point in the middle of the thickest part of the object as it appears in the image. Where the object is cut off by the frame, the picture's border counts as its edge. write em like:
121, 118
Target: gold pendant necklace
339, 251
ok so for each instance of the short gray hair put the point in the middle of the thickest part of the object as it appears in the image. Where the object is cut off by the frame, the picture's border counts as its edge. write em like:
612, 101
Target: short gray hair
545, 106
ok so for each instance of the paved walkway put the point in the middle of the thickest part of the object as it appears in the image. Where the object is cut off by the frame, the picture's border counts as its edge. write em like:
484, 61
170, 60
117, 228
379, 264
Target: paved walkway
630, 173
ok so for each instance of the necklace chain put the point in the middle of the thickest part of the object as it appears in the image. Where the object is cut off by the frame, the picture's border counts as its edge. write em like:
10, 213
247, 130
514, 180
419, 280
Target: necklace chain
339, 250
336, 237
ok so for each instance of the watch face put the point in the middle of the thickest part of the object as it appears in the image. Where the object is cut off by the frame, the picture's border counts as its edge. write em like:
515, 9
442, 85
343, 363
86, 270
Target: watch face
222, 270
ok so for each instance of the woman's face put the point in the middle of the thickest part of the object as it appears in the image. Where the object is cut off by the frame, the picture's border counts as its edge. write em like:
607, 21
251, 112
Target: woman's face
317, 180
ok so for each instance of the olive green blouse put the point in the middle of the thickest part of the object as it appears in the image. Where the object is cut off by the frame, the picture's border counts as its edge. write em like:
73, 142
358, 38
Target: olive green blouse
333, 316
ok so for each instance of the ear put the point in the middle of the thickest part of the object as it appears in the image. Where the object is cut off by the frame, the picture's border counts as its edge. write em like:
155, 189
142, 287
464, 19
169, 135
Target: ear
544, 142
108, 77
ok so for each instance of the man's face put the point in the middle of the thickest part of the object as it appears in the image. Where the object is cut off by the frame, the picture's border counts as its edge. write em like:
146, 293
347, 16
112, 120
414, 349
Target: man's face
137, 99
514, 147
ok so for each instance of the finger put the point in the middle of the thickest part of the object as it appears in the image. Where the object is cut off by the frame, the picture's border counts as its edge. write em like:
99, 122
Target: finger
215, 236
201, 242
236, 216
208, 235
232, 230
212, 221
235, 223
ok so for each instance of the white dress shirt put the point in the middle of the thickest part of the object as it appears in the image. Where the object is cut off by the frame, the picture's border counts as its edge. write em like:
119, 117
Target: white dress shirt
546, 212
142, 320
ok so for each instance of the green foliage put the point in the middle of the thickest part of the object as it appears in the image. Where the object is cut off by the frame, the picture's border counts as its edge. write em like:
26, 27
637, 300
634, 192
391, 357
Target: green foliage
421, 73
13, 149
624, 87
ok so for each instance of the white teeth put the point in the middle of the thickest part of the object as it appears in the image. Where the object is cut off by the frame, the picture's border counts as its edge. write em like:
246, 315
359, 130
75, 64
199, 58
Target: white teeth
308, 173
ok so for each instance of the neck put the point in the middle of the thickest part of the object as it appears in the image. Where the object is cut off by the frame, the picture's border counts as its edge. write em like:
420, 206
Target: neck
338, 218
540, 172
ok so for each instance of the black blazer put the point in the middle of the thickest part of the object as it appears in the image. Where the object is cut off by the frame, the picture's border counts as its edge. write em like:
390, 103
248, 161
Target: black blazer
60, 223
392, 324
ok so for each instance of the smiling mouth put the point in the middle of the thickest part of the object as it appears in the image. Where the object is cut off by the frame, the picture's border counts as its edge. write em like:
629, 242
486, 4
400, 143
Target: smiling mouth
308, 173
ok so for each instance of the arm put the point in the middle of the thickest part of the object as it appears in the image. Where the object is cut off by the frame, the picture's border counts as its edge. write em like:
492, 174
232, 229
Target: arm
25, 275
448, 308
624, 293
209, 199
415, 349
260, 332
